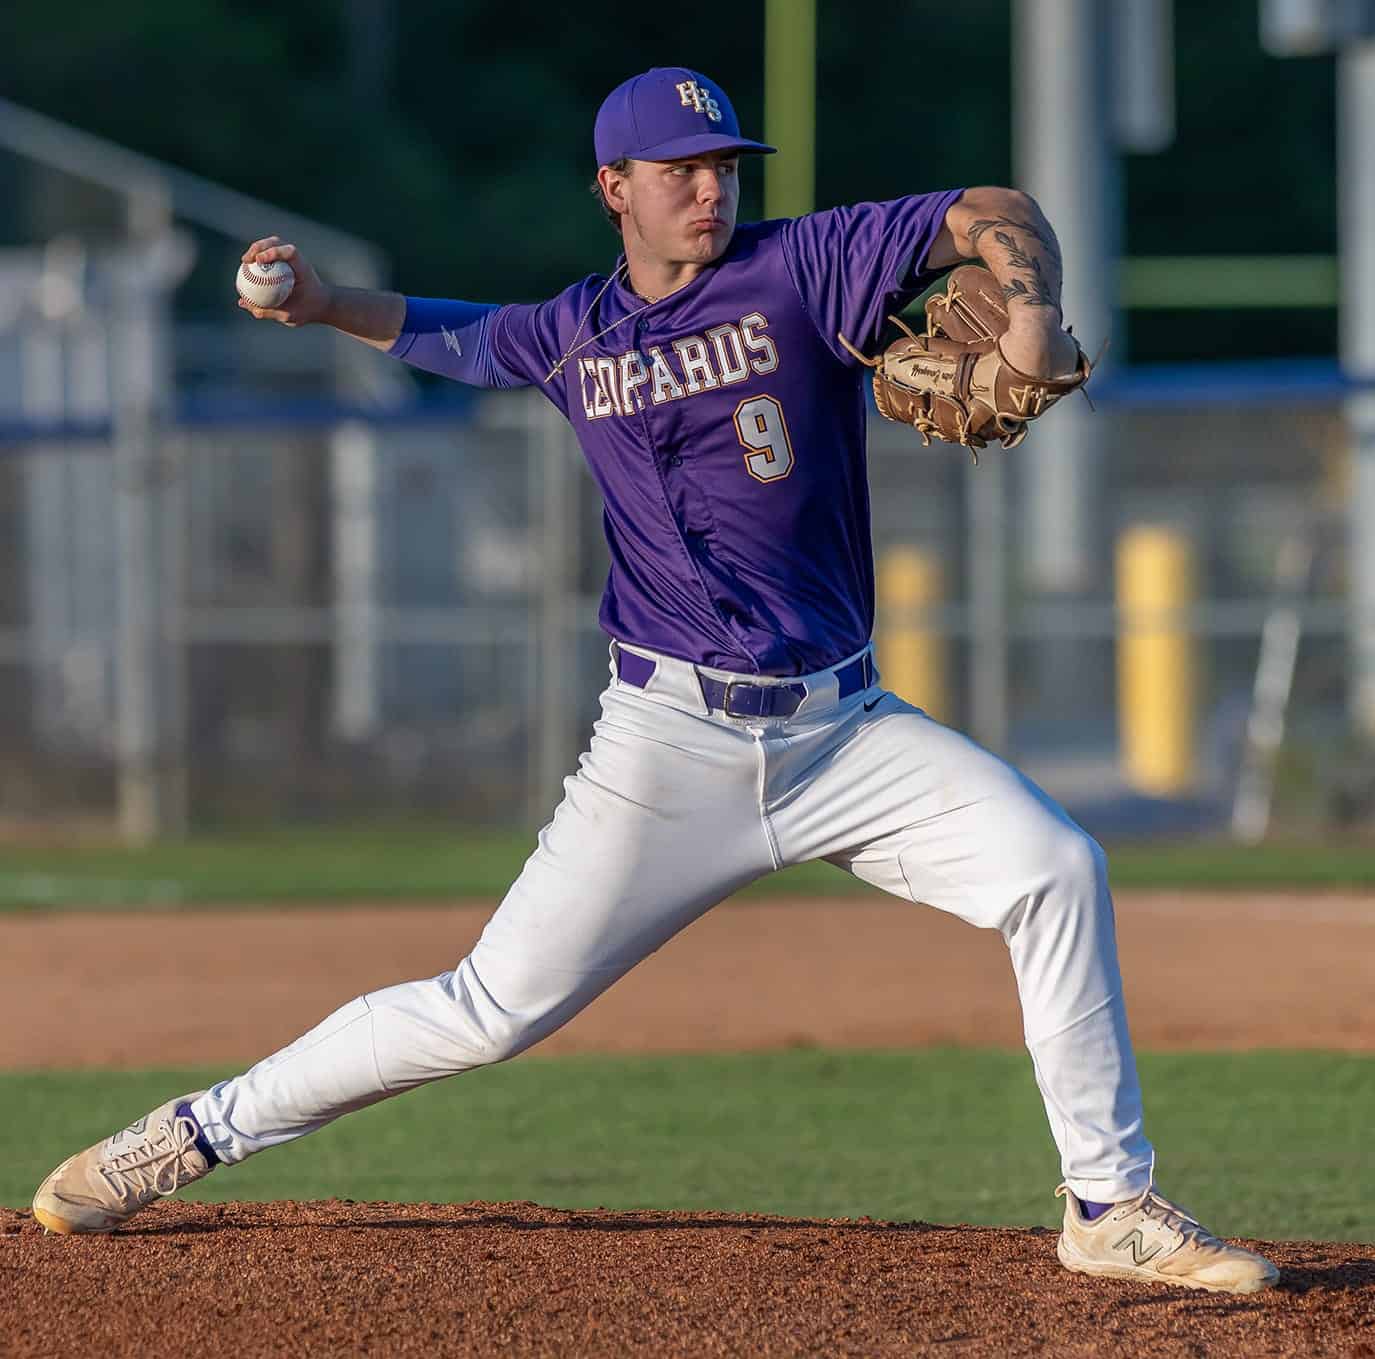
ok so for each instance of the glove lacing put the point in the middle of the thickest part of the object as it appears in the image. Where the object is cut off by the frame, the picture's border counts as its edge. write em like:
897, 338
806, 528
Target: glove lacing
922, 422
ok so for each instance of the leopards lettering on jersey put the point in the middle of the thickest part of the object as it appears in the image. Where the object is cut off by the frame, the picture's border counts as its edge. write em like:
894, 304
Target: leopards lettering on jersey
731, 362
725, 355
633, 375
596, 390
666, 386
697, 371
767, 362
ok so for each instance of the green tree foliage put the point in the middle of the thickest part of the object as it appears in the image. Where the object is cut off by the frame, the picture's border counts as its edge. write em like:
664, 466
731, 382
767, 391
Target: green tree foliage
471, 168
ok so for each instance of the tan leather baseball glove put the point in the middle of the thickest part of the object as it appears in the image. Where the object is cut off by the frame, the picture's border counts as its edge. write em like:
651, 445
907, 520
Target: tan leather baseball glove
953, 383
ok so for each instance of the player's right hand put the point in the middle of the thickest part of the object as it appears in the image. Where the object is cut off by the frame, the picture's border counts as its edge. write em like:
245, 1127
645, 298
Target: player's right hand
310, 297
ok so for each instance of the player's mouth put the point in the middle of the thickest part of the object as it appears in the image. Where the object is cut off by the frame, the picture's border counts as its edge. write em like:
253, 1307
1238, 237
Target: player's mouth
710, 224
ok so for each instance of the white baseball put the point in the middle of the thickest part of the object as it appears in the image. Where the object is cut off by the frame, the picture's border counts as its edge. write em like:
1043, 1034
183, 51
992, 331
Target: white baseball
265, 285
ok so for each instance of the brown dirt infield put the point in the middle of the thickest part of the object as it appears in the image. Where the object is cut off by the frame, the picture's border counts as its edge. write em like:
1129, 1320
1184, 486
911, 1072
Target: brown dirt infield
1202, 971
517, 1279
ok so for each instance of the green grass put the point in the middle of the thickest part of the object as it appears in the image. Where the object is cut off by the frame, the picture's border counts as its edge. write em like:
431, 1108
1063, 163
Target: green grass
406, 863
1266, 1144
428, 862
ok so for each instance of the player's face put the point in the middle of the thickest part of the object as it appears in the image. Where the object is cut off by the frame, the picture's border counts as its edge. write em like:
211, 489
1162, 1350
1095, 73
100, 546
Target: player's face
683, 211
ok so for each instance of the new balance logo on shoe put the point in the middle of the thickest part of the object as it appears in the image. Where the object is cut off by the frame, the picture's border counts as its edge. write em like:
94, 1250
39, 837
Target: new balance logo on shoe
1136, 1243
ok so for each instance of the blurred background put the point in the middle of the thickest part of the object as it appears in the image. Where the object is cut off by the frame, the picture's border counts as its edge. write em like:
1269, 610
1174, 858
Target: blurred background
256, 576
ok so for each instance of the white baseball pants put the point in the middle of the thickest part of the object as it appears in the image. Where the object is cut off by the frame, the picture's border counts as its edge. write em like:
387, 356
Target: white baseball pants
672, 809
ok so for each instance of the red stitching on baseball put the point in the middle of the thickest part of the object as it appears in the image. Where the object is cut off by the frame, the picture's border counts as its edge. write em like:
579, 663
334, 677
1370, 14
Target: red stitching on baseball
263, 279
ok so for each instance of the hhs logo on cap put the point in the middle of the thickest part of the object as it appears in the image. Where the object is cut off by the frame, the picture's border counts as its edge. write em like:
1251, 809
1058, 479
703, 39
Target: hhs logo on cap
669, 113
694, 96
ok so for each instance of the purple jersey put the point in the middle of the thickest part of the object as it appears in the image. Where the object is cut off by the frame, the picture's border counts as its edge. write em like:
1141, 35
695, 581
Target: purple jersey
724, 426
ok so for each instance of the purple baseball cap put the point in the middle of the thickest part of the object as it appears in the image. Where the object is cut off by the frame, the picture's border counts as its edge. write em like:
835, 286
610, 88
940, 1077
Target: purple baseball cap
666, 114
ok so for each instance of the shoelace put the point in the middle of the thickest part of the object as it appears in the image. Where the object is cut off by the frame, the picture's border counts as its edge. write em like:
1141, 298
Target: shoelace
1155, 1206
128, 1172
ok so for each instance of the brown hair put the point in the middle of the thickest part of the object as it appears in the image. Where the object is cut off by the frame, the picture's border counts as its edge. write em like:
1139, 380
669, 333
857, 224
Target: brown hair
621, 167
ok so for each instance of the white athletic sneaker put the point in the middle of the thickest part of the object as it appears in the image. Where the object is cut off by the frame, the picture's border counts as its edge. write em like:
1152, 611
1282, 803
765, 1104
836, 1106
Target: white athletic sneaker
1153, 1239
105, 1185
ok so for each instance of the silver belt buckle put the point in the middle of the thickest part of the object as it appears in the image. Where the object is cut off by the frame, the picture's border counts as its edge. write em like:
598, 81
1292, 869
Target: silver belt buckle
736, 684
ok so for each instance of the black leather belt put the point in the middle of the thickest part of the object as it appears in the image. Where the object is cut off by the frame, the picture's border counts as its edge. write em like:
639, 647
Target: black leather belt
744, 698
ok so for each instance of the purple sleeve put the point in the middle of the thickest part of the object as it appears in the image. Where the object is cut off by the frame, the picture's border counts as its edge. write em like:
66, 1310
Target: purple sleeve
853, 265
455, 340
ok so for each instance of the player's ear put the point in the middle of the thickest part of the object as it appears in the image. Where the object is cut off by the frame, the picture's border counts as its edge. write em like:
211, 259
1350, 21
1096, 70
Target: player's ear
612, 179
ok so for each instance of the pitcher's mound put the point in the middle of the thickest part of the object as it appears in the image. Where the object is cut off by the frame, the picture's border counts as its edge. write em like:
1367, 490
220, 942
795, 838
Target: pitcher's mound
517, 1279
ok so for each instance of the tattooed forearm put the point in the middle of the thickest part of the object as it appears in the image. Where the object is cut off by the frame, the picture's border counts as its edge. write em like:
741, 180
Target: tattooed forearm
1023, 256
1037, 295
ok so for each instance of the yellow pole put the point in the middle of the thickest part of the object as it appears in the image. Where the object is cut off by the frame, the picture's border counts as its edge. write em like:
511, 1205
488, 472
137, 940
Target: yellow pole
790, 107
1156, 683
911, 653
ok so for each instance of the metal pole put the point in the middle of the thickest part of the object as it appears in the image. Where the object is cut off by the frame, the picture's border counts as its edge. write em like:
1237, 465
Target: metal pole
149, 743
1062, 100
174, 705
988, 624
353, 469
1274, 683
1143, 73
136, 665
46, 522
790, 107
356, 521
1356, 204
554, 470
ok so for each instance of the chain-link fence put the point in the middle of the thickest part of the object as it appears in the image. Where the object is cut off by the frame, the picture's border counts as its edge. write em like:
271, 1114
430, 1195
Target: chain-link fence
401, 615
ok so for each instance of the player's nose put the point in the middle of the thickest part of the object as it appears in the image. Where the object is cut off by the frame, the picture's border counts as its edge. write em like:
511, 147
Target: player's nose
708, 186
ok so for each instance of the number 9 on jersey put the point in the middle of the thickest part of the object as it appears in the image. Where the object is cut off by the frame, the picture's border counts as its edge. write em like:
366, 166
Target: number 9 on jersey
760, 426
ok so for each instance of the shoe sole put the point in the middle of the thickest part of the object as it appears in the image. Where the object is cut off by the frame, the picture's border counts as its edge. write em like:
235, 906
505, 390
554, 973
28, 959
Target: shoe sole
54, 1223
66, 1226
1077, 1266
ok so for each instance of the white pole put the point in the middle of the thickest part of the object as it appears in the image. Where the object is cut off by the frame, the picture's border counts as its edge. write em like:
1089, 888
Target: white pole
150, 673
170, 531
987, 567
353, 464
1356, 204
46, 515
135, 462
1274, 683
1062, 101
557, 653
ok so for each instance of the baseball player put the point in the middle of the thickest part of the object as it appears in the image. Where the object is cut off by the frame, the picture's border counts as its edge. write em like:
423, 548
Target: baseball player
715, 378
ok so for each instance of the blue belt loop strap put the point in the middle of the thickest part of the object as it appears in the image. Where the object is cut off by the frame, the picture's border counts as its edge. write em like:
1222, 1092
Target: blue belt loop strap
634, 670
